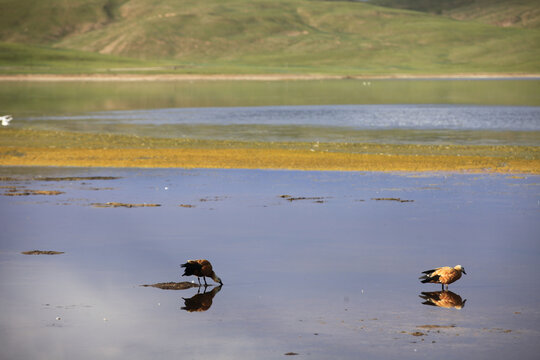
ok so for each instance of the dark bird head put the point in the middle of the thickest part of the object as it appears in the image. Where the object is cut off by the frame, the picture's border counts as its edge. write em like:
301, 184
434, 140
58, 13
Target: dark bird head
216, 278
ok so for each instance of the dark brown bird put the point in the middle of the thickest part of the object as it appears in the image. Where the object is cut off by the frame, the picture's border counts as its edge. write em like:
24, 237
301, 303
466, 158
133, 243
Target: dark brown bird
200, 268
443, 275
445, 299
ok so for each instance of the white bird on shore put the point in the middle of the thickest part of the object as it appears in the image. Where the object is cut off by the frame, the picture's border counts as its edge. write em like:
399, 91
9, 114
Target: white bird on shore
6, 119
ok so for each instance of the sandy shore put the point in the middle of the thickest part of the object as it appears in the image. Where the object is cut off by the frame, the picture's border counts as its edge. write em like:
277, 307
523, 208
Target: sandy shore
249, 77
20, 147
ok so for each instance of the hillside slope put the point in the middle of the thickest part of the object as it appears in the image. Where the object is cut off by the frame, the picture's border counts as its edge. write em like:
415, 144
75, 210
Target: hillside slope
273, 35
505, 13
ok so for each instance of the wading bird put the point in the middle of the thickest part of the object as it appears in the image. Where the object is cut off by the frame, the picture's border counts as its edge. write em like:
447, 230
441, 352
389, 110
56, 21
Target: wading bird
200, 268
443, 275
6, 119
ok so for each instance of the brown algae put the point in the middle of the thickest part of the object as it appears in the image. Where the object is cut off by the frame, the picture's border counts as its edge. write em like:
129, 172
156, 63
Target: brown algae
42, 252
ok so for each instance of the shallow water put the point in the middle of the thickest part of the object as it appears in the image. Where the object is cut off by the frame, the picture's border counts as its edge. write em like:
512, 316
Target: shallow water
500, 112
334, 275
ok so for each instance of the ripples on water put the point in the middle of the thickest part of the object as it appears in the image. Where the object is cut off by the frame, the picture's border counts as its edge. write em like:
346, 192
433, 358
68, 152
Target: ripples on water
344, 123
368, 117
462, 112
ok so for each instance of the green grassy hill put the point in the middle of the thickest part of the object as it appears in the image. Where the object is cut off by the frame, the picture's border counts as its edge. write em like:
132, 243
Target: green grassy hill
21, 58
505, 13
262, 36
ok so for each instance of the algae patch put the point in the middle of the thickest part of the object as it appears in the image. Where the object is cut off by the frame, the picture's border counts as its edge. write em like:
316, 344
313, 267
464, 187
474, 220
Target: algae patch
25, 147
42, 252
392, 199
126, 205
27, 192
173, 285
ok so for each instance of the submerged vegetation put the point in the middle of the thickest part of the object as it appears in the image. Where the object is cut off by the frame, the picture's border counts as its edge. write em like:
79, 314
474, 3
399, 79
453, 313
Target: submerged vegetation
54, 148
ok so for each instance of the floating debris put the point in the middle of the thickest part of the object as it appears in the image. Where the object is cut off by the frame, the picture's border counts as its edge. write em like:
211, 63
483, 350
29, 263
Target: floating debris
392, 199
291, 353
76, 178
436, 326
417, 333
42, 252
186, 205
498, 330
173, 285
213, 198
117, 204
317, 199
26, 192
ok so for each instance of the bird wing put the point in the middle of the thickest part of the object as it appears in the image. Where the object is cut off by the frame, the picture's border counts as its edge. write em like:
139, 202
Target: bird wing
430, 271
192, 268
206, 268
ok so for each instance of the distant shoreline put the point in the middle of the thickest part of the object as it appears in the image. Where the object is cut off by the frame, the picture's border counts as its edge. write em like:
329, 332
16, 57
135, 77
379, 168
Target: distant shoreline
252, 77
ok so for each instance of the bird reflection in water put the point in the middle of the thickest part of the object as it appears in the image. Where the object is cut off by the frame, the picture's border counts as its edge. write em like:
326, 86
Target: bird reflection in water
444, 299
201, 301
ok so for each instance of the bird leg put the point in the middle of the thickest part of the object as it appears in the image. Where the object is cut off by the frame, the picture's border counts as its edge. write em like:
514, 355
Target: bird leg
205, 284
199, 280
442, 287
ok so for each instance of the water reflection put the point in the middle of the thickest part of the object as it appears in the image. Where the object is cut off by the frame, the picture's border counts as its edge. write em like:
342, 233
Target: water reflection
200, 302
446, 299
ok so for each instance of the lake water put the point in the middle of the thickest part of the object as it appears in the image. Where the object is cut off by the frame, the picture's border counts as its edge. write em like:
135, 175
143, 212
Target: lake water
333, 275
385, 111
319, 264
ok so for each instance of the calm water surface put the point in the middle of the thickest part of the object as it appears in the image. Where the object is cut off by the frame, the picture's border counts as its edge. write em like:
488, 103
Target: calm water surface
388, 111
334, 275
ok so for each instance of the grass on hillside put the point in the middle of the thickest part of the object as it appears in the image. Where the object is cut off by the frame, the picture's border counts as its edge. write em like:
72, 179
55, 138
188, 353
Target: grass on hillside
505, 13
260, 36
23, 59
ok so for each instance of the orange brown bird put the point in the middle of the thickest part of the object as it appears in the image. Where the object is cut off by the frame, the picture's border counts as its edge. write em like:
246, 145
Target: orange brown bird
443, 275
200, 268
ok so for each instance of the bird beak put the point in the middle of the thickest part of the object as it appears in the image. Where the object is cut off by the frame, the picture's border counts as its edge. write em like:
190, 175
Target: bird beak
463, 271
